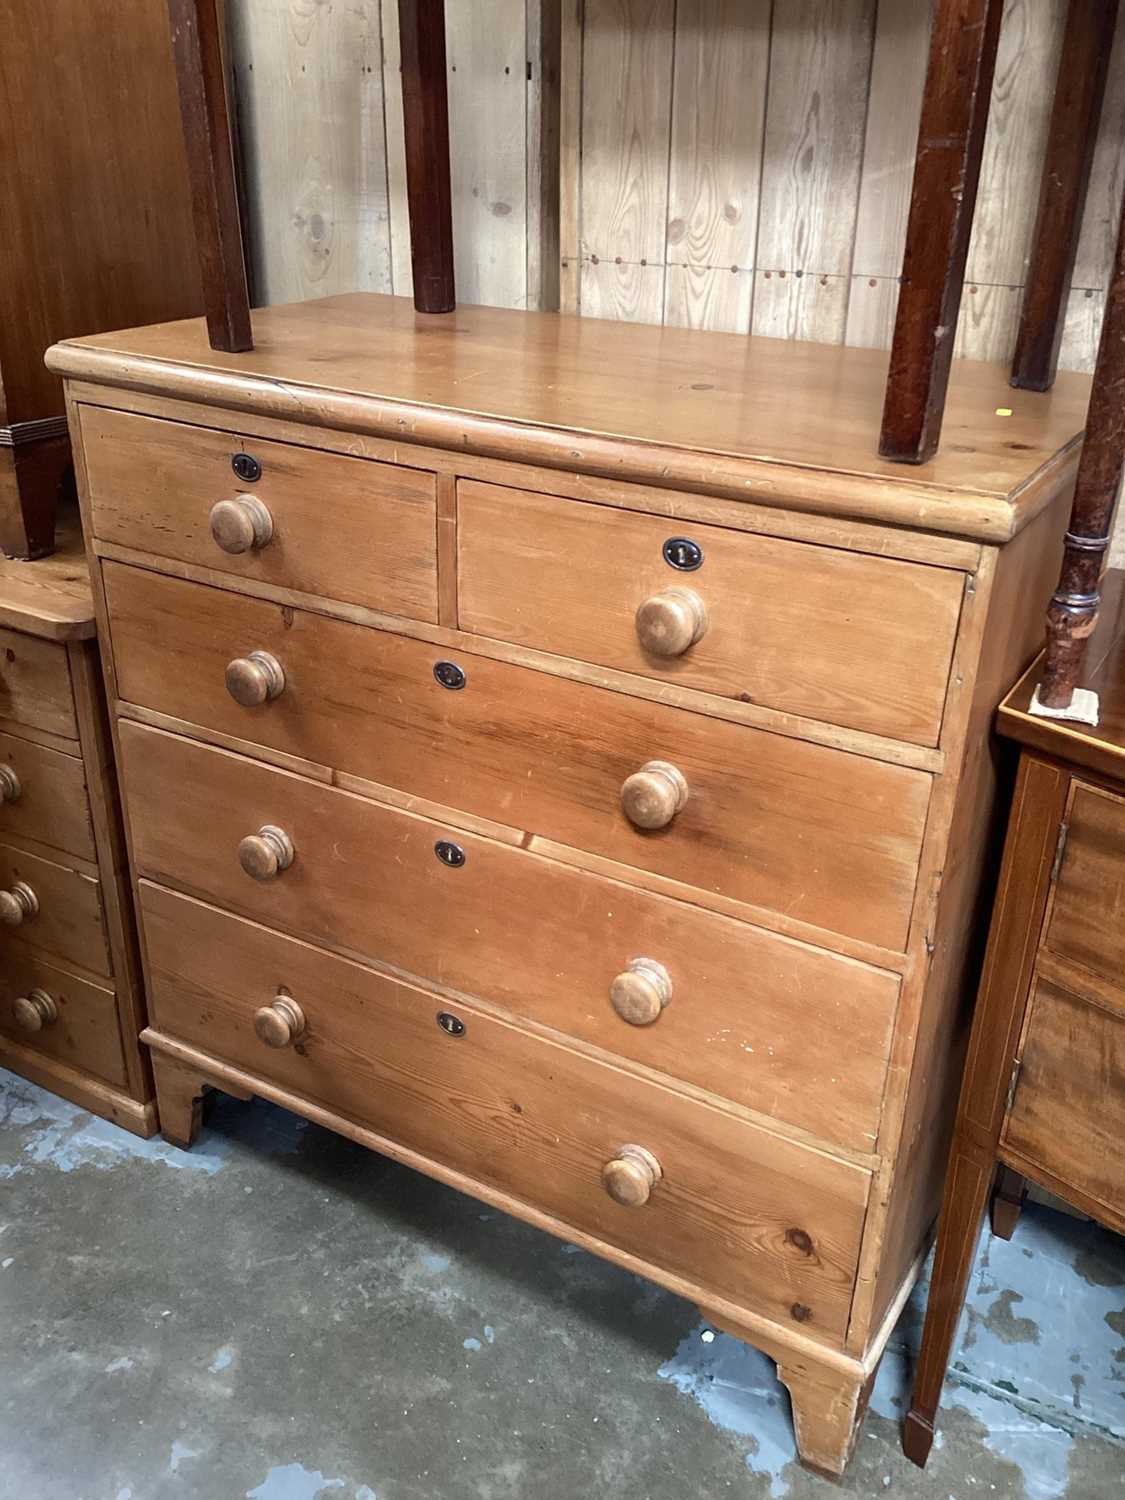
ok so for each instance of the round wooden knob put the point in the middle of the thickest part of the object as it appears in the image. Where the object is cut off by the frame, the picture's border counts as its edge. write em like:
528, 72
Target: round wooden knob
10, 787
17, 904
255, 679
671, 621
280, 1023
264, 854
33, 1012
631, 1176
641, 993
241, 525
652, 796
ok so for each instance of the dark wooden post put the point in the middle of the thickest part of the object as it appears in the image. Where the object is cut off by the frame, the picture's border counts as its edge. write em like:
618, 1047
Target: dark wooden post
425, 114
197, 45
1079, 91
946, 171
1074, 608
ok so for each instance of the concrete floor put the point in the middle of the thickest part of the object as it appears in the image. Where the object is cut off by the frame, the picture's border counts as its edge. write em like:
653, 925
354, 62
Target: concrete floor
281, 1315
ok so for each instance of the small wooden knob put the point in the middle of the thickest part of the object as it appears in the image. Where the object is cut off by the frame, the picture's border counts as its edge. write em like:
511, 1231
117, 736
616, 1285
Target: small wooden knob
10, 787
241, 525
652, 796
18, 904
641, 993
263, 855
280, 1023
631, 1176
255, 679
33, 1012
671, 621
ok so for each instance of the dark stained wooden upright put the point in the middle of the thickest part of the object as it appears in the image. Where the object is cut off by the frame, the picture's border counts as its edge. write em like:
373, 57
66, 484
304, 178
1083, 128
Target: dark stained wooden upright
1079, 92
946, 172
197, 45
1074, 608
425, 112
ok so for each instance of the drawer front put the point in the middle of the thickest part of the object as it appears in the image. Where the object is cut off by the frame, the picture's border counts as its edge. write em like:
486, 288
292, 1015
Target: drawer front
768, 1223
752, 1017
62, 916
850, 639
1068, 1113
345, 527
43, 797
1085, 923
830, 838
63, 1017
35, 684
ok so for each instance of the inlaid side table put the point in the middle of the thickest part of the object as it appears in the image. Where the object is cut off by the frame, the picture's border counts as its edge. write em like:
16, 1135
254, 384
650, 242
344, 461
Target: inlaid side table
1043, 1097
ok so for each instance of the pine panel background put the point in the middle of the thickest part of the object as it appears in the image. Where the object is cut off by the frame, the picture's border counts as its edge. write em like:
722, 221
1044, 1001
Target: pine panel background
741, 165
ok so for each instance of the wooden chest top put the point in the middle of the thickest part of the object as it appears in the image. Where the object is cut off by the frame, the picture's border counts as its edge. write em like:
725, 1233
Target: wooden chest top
765, 420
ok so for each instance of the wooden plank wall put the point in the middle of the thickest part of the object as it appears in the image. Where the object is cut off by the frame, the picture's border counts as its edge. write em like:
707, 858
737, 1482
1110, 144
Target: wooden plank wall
729, 164
319, 101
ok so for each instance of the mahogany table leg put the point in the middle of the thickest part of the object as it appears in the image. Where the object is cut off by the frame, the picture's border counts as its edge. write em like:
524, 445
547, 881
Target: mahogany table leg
425, 115
1007, 1202
1074, 608
197, 45
946, 172
971, 1171
1079, 91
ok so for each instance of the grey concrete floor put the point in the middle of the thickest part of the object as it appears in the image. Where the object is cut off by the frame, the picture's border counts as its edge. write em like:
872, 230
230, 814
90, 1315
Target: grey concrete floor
281, 1315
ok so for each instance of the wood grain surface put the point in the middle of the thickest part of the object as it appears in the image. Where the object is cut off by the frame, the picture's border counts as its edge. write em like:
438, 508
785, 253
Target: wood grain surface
85, 1035
862, 642
766, 1222
52, 807
69, 923
366, 878
357, 531
35, 683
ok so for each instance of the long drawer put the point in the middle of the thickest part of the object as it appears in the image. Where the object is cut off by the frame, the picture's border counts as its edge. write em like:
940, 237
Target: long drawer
43, 797
855, 640
778, 1026
35, 684
770, 1224
63, 915
60, 1015
347, 527
827, 837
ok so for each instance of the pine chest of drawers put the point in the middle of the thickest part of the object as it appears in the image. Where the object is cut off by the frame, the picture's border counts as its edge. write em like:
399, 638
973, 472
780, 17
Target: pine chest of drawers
556, 754
71, 1009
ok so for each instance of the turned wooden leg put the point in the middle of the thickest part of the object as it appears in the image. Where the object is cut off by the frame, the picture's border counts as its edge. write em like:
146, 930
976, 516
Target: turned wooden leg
1007, 1202
828, 1410
179, 1101
966, 1192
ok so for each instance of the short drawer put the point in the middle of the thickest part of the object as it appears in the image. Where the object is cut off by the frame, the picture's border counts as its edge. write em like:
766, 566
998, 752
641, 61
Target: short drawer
43, 797
347, 528
1068, 1111
769, 821
55, 909
1091, 884
67, 1018
761, 1220
846, 638
35, 684
778, 1026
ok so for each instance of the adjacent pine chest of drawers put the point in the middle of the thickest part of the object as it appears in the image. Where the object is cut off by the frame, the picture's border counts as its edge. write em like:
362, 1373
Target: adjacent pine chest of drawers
70, 993
556, 755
